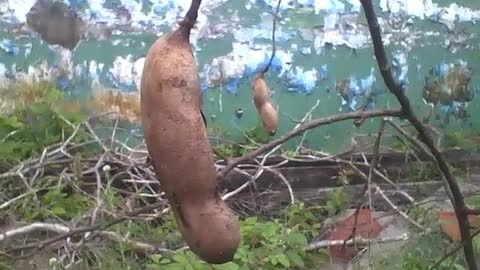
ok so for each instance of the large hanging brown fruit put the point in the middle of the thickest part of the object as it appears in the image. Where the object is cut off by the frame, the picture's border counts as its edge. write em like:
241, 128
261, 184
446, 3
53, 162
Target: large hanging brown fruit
176, 138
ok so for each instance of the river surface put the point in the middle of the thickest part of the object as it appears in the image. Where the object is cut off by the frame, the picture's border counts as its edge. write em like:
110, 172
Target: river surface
319, 43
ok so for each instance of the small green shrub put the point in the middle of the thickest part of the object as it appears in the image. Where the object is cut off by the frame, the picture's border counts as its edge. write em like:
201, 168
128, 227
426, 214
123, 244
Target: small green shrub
265, 245
36, 120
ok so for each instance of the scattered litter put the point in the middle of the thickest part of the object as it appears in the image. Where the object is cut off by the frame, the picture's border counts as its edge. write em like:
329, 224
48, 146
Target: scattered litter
448, 88
358, 94
9, 47
339, 20
242, 63
302, 81
121, 74
427, 9
400, 65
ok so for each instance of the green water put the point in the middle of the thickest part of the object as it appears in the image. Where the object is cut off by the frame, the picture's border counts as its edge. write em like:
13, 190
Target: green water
341, 63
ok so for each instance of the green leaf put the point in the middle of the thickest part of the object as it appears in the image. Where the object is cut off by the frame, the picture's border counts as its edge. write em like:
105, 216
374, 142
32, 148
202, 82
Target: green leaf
156, 258
283, 260
227, 266
11, 122
59, 211
273, 260
297, 239
295, 258
180, 258
172, 266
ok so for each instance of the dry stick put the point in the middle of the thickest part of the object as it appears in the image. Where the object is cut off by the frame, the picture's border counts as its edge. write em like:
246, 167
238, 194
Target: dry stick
373, 165
261, 167
232, 163
96, 227
451, 184
395, 208
289, 187
59, 228
353, 241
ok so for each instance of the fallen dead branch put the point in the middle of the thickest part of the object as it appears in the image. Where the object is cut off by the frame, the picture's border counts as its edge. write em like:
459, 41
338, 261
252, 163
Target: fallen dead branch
355, 241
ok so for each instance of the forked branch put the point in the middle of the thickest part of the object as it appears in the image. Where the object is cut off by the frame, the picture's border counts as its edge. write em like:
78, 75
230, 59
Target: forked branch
397, 89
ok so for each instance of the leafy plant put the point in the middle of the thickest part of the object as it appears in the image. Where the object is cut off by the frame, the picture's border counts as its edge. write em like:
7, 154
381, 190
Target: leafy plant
305, 218
453, 139
56, 203
265, 245
36, 120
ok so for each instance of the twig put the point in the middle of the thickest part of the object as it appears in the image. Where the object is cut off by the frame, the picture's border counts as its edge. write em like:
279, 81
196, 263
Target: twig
365, 177
98, 194
289, 187
274, 28
373, 165
13, 200
395, 208
397, 90
58, 228
92, 228
302, 128
357, 240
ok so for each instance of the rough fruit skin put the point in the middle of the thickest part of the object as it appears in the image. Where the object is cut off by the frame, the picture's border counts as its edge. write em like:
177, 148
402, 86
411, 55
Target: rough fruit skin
261, 99
176, 138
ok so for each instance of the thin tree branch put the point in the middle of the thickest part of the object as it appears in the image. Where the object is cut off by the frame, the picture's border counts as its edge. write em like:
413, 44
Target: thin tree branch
397, 90
274, 46
232, 163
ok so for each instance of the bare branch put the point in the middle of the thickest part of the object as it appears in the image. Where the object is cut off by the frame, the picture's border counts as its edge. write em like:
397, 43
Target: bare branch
357, 240
232, 163
398, 90
92, 228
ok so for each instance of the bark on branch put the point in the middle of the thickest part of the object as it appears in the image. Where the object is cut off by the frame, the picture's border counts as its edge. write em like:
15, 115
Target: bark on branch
398, 90
232, 163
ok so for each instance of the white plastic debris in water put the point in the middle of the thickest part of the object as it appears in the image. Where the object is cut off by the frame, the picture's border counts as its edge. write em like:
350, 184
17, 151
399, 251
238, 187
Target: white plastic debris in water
273, 3
335, 37
329, 6
356, 5
9, 47
242, 63
223, 69
94, 69
427, 9
137, 72
306, 50
306, 3
40, 72
330, 21
282, 61
400, 63
248, 34
136, 11
302, 81
63, 60
3, 75
367, 83
122, 73
17, 10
